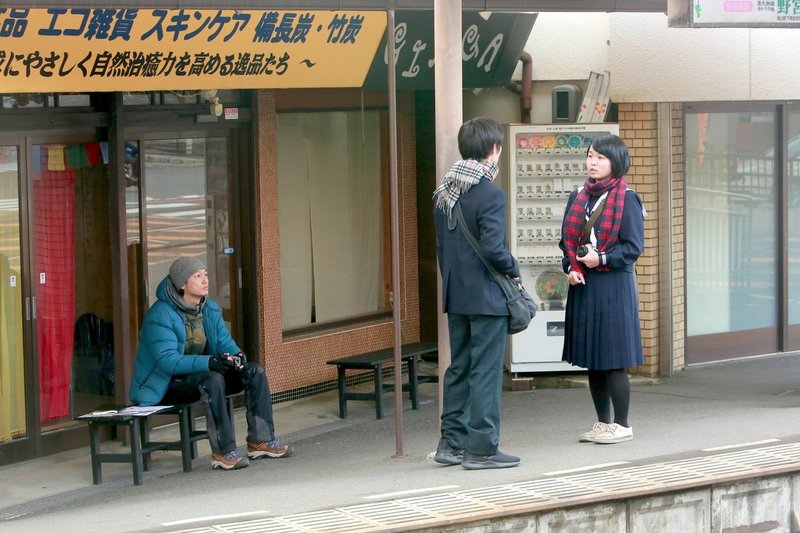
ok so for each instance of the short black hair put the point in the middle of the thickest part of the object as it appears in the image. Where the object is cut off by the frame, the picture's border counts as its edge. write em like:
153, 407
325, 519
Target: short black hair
477, 137
615, 150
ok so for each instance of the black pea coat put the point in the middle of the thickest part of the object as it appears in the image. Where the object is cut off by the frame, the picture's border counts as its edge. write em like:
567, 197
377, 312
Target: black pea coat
467, 286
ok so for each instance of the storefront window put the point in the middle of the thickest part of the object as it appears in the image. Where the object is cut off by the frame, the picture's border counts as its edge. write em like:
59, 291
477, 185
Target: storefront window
175, 205
72, 100
12, 364
792, 151
137, 98
39, 100
731, 202
71, 279
25, 100
182, 97
330, 202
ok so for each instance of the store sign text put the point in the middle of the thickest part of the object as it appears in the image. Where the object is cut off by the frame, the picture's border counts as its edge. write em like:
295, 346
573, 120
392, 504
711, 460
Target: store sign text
470, 48
734, 13
62, 49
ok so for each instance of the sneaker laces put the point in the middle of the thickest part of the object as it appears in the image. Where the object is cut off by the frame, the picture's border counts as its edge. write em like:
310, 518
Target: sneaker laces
232, 455
275, 444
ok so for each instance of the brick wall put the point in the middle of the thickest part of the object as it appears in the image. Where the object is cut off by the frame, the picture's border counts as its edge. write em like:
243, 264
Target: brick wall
639, 129
299, 363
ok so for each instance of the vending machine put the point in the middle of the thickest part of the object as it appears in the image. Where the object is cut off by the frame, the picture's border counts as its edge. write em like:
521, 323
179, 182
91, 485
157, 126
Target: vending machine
544, 164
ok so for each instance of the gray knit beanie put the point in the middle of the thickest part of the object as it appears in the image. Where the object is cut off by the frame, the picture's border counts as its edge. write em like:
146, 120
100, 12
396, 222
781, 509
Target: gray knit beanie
183, 268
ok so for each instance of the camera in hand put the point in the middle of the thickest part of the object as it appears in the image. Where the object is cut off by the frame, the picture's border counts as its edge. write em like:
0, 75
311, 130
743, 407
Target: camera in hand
236, 360
581, 250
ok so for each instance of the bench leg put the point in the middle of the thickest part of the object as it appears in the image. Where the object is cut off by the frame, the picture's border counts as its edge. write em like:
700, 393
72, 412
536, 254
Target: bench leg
379, 392
94, 445
342, 389
136, 449
192, 431
185, 423
144, 432
412, 382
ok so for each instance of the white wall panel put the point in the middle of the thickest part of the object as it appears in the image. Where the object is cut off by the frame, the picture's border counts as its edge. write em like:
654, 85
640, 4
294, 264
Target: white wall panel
653, 63
650, 62
773, 64
568, 46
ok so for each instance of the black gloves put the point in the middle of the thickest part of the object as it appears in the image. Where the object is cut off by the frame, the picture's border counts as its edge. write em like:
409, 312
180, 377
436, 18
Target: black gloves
220, 363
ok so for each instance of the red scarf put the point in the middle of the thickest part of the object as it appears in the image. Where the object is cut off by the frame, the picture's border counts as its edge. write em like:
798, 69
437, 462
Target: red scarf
607, 227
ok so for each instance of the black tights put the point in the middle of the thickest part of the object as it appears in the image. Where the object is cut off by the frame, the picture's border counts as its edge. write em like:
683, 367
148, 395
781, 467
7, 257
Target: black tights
610, 387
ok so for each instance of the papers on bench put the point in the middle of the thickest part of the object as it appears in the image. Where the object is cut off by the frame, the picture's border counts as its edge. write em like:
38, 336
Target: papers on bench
131, 410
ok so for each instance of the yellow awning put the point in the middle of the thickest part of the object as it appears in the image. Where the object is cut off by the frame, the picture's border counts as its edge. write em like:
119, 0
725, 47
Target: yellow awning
117, 49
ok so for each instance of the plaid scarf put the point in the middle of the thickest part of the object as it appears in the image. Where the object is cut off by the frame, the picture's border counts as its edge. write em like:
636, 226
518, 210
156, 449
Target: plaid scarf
607, 227
459, 179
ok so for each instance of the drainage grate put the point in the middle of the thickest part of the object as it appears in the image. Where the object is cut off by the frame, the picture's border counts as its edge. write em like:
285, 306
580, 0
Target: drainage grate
273, 525
661, 473
713, 468
507, 496
390, 513
449, 505
610, 481
332, 521
531, 496
557, 488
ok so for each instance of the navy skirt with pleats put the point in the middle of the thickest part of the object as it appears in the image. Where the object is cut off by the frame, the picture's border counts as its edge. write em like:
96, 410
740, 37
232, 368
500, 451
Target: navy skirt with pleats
601, 330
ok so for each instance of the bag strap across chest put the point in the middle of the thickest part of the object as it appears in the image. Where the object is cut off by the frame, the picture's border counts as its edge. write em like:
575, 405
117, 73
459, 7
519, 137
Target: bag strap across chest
472, 240
587, 228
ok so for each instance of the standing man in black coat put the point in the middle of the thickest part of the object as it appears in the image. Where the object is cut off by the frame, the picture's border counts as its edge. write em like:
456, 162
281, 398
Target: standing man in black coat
477, 313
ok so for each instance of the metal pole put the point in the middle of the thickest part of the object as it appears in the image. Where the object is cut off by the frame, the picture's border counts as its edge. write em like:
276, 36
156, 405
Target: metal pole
395, 207
449, 113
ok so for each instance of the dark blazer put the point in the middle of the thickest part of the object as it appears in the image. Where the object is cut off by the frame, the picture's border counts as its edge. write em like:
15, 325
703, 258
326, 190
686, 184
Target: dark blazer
467, 286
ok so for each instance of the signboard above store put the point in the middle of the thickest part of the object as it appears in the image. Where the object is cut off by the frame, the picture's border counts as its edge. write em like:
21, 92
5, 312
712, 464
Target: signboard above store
490, 47
733, 13
81, 49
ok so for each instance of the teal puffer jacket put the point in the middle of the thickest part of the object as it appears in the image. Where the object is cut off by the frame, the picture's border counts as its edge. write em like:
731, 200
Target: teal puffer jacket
162, 341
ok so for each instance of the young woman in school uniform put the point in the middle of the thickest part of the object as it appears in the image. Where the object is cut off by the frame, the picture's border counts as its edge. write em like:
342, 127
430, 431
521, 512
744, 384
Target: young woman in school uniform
602, 317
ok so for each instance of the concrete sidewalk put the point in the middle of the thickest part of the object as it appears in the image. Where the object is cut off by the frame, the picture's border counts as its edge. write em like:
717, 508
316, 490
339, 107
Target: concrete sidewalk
349, 462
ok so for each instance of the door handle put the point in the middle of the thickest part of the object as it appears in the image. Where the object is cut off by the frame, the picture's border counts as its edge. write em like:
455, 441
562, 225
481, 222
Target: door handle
27, 308
34, 307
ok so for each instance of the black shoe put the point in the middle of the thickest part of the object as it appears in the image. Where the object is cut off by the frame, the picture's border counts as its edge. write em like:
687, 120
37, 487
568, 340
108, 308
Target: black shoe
447, 455
480, 462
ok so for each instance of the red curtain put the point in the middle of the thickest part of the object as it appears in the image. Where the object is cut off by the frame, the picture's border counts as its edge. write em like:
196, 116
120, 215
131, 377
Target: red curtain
54, 229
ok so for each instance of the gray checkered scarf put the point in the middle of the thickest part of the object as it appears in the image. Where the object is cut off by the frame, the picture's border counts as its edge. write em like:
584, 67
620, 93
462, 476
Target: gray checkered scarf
460, 178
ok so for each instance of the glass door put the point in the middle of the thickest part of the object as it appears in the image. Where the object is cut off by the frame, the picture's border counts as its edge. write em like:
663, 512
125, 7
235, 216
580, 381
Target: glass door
56, 341
71, 302
791, 151
732, 250
13, 405
181, 208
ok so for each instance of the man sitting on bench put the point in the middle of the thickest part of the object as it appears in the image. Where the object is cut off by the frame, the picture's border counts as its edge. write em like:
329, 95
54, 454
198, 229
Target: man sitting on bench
186, 354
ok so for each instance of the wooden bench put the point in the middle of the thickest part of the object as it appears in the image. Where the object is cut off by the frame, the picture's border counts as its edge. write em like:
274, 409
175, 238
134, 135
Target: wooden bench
374, 361
140, 446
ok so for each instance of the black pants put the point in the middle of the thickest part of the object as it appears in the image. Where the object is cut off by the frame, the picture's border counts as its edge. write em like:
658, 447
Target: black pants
211, 388
473, 383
